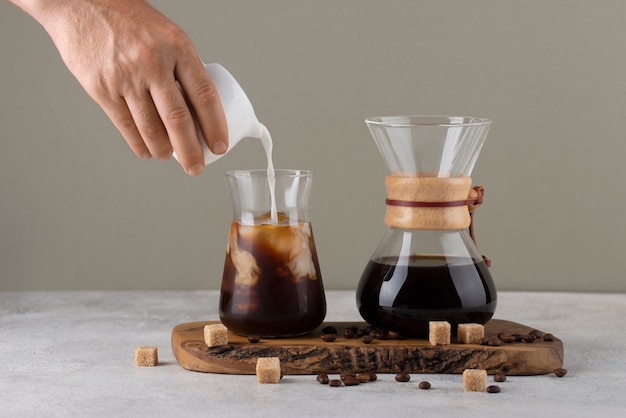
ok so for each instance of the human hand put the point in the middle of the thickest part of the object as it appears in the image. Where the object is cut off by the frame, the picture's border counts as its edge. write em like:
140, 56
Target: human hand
142, 70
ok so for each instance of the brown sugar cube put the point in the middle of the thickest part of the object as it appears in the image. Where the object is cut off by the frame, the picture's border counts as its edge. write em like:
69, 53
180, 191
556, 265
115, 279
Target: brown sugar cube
471, 333
146, 356
474, 380
215, 335
439, 333
268, 370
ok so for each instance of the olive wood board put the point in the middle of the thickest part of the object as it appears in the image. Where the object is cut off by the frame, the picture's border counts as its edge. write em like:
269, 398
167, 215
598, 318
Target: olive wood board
308, 354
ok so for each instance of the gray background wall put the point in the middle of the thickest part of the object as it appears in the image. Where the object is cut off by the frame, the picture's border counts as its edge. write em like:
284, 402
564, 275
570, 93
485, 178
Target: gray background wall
79, 211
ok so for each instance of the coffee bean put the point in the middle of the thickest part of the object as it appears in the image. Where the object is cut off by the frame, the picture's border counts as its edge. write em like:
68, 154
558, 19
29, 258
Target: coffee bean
335, 383
424, 385
351, 381
529, 338
329, 338
369, 329
499, 377
373, 376
345, 375
377, 334
518, 337
349, 333
403, 377
506, 338
361, 332
363, 377
560, 372
393, 335
329, 330
493, 389
494, 342
548, 337
484, 341
536, 333
367, 339
254, 339
322, 378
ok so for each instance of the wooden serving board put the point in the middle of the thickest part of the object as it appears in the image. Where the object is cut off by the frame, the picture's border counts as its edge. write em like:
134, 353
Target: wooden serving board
310, 355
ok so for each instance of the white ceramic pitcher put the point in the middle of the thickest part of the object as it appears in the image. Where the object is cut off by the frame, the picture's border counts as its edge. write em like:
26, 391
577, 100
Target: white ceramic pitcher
240, 117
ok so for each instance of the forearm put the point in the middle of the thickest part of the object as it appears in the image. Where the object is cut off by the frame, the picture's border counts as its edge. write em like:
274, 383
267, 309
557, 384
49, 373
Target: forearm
41, 10
47, 11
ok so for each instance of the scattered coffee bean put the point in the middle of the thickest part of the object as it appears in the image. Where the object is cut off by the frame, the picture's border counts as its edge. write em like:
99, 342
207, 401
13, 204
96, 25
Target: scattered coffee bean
548, 337
494, 342
378, 334
560, 372
329, 338
536, 333
493, 389
373, 376
506, 338
322, 378
344, 375
369, 329
335, 383
424, 385
393, 335
518, 337
349, 333
351, 381
329, 330
529, 338
361, 332
403, 377
363, 377
499, 377
367, 339
254, 339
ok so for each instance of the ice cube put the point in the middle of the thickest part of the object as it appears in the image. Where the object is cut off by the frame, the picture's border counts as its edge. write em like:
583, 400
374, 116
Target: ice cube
266, 219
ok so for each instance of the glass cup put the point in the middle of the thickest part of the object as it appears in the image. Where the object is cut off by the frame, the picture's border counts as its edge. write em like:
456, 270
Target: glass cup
271, 286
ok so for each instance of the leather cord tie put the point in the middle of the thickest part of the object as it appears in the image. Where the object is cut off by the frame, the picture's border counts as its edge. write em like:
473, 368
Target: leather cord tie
445, 204
480, 190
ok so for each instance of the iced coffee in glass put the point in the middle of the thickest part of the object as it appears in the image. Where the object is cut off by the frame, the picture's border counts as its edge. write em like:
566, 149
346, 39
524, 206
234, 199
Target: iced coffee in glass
271, 285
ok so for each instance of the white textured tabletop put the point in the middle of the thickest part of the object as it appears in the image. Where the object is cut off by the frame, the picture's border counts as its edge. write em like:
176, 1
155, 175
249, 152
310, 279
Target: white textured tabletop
72, 354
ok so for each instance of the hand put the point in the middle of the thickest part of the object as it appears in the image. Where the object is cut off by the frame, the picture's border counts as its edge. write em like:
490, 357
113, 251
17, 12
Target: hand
143, 71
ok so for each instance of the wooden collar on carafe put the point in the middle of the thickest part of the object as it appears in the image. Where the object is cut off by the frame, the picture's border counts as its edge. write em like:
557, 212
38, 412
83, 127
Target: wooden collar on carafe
418, 200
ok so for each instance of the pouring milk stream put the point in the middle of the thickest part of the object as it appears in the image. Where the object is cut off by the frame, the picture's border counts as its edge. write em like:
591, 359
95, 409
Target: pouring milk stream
242, 123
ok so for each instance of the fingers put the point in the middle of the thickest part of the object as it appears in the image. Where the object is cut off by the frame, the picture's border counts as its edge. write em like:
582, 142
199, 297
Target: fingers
123, 120
159, 119
156, 124
149, 125
179, 124
137, 119
205, 101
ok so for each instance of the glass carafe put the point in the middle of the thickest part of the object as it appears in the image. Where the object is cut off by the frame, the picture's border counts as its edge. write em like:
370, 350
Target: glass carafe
427, 266
271, 286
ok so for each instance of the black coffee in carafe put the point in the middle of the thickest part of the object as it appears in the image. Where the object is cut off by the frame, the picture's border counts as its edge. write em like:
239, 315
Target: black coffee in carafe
405, 294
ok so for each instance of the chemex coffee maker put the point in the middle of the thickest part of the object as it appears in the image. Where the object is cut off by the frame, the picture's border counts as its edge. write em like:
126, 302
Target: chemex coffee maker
427, 266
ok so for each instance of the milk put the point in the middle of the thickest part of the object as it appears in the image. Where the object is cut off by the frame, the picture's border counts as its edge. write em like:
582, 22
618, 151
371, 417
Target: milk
266, 140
